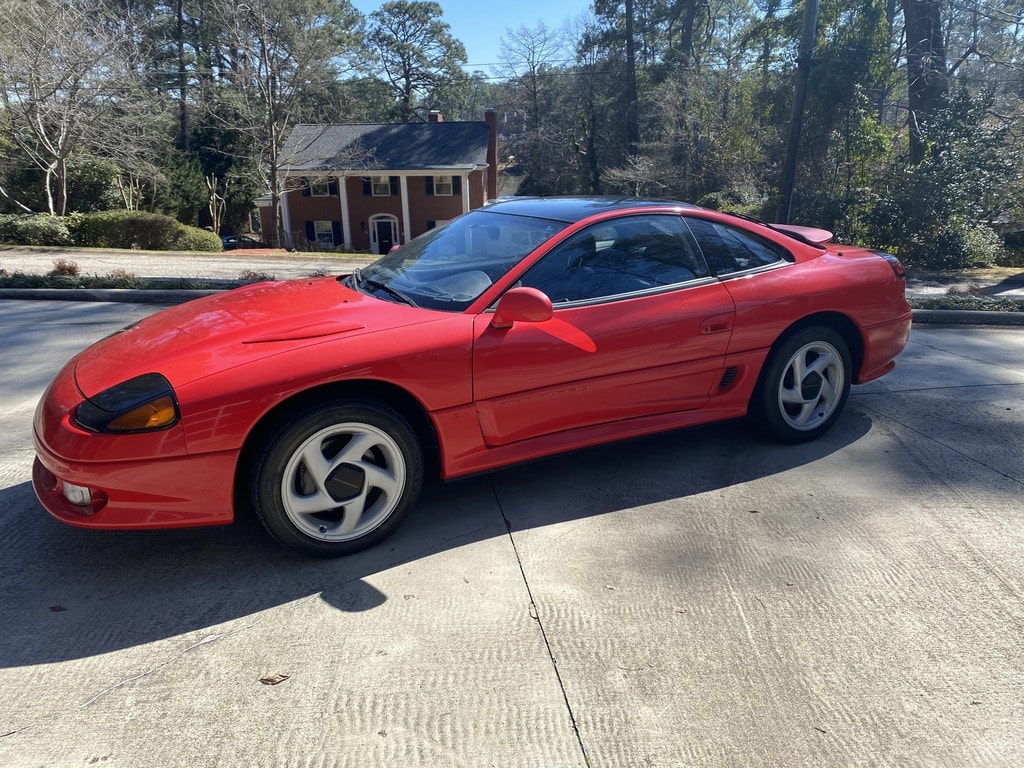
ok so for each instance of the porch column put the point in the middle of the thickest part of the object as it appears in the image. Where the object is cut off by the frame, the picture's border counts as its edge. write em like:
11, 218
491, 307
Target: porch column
465, 192
346, 219
406, 228
286, 219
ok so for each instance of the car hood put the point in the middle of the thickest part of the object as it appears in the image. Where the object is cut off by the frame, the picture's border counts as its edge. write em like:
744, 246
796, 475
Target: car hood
219, 332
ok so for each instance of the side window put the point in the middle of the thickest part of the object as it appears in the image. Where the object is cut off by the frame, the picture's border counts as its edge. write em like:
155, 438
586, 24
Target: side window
728, 250
634, 253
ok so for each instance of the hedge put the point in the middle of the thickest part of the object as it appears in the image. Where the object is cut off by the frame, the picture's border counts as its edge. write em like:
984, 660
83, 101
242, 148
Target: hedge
32, 229
107, 229
138, 229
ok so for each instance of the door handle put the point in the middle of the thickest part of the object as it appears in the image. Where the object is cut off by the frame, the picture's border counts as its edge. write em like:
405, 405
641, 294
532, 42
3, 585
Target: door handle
716, 324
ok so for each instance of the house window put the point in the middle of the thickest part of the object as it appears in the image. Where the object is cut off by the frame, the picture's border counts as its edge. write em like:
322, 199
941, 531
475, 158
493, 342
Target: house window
324, 186
324, 231
381, 186
443, 186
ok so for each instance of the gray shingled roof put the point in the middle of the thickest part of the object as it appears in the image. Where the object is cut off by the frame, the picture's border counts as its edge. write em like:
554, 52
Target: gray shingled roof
393, 147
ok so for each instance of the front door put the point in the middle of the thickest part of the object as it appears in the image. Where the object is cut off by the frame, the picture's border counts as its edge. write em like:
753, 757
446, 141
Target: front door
385, 233
639, 328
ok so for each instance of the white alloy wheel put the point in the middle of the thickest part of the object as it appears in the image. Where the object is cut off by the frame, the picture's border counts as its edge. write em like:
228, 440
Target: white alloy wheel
343, 482
337, 478
812, 385
804, 385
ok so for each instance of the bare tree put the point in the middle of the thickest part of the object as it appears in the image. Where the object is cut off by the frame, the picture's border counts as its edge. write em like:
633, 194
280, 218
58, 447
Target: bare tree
217, 200
285, 52
58, 65
526, 56
541, 127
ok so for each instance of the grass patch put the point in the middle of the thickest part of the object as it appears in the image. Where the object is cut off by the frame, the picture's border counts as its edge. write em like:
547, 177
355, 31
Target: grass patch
968, 301
1010, 275
116, 280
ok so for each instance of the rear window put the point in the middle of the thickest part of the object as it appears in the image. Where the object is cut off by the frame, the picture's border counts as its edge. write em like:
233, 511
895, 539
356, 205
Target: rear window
728, 250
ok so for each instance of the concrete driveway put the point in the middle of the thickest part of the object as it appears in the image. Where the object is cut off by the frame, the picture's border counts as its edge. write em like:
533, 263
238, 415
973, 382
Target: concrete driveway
701, 598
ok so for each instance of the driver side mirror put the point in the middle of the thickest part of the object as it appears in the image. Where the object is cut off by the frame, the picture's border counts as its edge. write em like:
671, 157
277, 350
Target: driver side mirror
522, 305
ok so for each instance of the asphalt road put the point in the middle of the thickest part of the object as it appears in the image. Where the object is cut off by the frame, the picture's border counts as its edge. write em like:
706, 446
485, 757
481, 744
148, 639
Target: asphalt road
700, 598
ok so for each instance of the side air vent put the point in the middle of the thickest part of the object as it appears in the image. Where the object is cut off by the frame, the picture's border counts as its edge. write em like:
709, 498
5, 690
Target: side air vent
728, 377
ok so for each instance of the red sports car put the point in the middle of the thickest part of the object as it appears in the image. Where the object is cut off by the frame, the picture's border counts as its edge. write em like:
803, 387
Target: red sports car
519, 330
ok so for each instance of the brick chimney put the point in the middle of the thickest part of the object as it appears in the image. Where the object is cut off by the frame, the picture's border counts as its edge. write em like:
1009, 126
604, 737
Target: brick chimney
435, 117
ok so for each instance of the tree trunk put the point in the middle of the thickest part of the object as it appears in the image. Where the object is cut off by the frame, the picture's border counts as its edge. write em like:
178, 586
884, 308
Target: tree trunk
179, 33
927, 79
632, 108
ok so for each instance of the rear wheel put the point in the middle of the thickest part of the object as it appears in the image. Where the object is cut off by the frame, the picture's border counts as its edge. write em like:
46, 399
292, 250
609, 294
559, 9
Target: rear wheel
804, 385
335, 479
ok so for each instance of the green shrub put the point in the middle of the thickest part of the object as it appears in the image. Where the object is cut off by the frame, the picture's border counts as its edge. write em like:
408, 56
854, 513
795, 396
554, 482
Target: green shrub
195, 239
982, 245
32, 229
737, 200
7, 228
1011, 258
141, 230
1013, 252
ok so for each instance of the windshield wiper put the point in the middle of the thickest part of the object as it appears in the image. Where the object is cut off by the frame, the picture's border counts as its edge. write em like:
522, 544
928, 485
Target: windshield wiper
359, 277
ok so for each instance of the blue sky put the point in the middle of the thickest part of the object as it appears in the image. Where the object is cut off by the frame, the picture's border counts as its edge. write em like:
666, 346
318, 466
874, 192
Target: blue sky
480, 24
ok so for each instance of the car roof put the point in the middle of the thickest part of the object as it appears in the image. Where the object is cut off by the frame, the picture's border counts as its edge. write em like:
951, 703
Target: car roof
573, 209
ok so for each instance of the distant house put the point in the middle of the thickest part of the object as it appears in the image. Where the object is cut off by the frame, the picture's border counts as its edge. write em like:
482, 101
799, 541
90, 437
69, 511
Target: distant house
369, 187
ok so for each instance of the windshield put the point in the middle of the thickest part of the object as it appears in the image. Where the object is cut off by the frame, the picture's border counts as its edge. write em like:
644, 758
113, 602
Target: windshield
449, 267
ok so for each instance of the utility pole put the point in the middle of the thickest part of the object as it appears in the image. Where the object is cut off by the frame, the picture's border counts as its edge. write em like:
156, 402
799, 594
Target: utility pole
803, 74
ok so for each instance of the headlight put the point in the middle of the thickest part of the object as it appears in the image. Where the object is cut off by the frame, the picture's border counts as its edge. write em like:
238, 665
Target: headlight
143, 404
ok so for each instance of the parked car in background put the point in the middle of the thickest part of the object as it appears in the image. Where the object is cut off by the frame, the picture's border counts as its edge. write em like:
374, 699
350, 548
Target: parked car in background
240, 242
519, 330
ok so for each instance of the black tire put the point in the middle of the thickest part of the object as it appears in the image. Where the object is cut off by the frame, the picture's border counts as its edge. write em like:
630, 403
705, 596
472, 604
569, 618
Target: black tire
335, 479
796, 412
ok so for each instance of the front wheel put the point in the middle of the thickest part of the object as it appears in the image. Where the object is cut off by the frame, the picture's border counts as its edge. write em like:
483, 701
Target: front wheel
336, 479
804, 385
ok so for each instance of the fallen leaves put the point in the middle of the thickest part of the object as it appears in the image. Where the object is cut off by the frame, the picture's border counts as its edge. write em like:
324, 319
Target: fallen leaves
275, 679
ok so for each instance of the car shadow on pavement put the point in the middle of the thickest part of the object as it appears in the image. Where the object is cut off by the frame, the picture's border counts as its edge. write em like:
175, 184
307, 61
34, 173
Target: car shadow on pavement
69, 593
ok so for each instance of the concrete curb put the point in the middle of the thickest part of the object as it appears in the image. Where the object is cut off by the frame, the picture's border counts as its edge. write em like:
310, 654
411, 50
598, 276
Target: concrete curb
154, 296
967, 317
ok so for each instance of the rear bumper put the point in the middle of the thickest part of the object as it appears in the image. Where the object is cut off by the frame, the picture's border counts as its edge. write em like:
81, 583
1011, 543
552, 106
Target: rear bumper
882, 343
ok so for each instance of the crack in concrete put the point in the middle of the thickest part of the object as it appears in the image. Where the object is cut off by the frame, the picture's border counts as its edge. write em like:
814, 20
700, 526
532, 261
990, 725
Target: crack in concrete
962, 355
535, 615
937, 441
939, 388
167, 662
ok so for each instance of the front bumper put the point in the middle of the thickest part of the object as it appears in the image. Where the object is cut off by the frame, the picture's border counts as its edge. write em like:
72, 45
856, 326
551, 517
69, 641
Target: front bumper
136, 481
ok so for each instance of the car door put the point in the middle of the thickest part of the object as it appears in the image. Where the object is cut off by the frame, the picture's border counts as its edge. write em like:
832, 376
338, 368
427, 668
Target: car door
640, 327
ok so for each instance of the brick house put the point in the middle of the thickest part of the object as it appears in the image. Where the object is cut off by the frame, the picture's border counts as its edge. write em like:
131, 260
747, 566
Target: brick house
368, 187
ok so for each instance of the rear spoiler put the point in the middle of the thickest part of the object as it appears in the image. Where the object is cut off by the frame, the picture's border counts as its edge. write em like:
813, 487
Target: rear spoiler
812, 235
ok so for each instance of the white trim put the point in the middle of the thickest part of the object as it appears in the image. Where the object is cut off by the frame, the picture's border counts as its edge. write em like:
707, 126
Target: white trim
465, 192
403, 190
322, 232
286, 220
372, 221
346, 217
439, 185
432, 170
